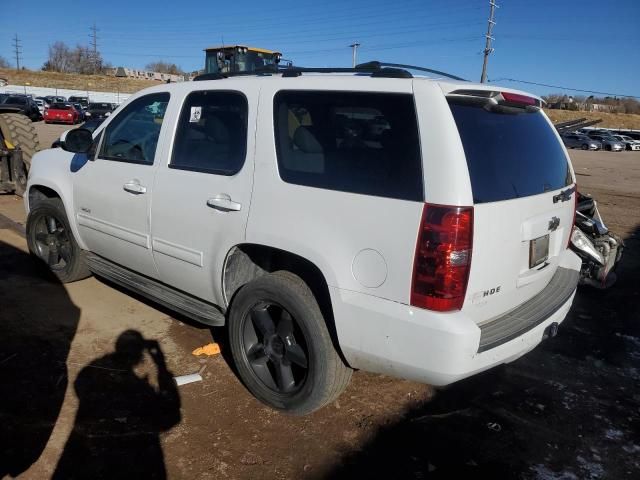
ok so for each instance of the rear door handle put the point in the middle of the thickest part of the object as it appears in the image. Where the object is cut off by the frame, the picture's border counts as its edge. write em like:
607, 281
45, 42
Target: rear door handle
134, 187
223, 202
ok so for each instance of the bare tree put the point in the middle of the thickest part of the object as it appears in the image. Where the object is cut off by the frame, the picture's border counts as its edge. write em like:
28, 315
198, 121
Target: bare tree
80, 59
4, 63
164, 67
59, 56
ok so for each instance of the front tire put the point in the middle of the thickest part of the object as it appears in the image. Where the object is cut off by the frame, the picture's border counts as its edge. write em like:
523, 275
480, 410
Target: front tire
585, 147
50, 239
281, 345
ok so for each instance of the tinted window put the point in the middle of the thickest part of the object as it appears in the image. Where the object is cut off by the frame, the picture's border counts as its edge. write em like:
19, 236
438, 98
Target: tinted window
100, 106
363, 143
212, 133
16, 100
60, 106
132, 136
510, 155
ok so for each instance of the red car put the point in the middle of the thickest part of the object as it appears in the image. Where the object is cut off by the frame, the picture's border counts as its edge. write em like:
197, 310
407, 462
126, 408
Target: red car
61, 113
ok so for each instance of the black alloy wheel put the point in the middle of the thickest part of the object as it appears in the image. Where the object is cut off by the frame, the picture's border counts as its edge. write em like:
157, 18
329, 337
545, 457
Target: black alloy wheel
52, 244
276, 348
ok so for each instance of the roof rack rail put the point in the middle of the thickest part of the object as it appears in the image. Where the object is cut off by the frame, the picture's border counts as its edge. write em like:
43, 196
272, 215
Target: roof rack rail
375, 69
376, 65
365, 69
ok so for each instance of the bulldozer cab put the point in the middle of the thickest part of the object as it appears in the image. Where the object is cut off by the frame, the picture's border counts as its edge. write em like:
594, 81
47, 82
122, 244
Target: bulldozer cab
239, 59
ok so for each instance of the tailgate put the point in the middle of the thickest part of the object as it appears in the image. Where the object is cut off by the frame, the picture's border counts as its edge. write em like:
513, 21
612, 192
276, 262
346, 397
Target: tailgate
523, 187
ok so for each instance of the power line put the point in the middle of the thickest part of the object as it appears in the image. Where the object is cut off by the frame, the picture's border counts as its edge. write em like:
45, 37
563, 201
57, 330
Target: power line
563, 88
18, 50
487, 49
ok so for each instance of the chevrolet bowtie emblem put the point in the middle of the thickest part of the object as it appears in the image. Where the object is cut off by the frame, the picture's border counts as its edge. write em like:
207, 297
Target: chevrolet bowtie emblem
554, 223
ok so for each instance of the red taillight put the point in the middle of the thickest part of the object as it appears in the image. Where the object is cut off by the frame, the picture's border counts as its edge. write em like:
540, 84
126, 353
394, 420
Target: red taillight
443, 258
517, 98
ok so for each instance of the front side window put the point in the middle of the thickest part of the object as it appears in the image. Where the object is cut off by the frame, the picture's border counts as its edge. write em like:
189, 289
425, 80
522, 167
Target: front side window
212, 133
133, 135
356, 142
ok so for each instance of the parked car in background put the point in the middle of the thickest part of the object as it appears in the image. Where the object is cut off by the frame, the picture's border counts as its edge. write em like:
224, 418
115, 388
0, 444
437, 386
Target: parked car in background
22, 104
62, 113
576, 140
54, 99
99, 110
84, 101
608, 142
629, 143
80, 109
40, 104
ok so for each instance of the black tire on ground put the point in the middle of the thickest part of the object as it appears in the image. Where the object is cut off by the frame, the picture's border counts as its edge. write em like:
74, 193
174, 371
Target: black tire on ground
263, 354
585, 146
20, 131
50, 239
607, 148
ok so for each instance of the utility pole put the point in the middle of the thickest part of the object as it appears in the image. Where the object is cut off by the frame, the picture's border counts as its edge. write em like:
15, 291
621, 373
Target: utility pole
487, 48
94, 45
354, 46
17, 48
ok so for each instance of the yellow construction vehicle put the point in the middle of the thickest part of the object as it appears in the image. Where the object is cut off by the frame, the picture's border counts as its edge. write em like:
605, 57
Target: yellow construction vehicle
239, 59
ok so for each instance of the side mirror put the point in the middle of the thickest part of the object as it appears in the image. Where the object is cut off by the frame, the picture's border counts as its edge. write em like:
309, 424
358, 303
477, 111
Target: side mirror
79, 140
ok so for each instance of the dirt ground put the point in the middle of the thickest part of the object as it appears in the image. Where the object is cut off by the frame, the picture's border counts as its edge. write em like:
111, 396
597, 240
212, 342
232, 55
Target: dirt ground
608, 120
102, 83
569, 409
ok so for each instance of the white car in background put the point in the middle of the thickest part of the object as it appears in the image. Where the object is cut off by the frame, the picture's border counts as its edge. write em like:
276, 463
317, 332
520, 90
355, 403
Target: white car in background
40, 104
630, 143
430, 249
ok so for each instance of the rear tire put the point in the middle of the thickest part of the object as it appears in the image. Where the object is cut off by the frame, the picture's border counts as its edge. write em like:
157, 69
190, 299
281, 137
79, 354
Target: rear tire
50, 239
281, 345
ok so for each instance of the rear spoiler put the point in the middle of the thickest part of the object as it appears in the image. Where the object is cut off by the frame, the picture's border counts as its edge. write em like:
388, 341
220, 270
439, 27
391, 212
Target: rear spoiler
496, 101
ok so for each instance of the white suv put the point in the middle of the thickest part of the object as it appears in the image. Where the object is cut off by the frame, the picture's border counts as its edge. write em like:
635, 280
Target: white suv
408, 226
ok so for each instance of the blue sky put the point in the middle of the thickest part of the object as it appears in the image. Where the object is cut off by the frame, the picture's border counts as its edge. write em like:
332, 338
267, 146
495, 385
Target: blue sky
585, 44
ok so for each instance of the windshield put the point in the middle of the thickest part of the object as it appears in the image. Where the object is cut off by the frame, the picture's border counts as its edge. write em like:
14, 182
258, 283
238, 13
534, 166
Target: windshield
99, 106
60, 106
510, 155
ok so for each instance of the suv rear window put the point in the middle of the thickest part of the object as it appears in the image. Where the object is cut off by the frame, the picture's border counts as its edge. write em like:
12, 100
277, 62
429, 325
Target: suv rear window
364, 143
510, 155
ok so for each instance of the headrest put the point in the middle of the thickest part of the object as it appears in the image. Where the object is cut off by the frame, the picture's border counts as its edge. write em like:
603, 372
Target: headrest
305, 141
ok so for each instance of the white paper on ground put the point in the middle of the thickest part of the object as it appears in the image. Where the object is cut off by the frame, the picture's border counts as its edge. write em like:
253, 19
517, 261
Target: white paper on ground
184, 379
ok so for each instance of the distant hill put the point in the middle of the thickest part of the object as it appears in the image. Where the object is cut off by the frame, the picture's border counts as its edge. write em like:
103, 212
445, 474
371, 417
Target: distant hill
609, 120
75, 81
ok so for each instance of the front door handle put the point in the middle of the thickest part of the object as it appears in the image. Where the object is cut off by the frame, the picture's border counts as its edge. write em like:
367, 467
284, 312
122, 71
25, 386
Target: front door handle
223, 202
134, 187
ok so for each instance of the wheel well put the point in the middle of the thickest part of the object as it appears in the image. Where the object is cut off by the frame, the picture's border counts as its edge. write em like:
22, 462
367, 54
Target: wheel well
38, 193
247, 262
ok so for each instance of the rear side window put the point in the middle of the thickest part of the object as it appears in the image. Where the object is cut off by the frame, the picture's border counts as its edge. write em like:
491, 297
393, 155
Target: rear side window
364, 143
212, 133
510, 155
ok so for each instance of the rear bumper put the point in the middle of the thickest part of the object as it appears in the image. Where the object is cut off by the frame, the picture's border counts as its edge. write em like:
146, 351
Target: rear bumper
386, 337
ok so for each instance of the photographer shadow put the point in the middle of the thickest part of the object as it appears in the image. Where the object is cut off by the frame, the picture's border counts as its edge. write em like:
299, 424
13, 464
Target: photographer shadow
121, 415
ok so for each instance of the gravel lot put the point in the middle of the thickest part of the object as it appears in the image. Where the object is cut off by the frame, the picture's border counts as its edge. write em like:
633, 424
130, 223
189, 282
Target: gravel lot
569, 409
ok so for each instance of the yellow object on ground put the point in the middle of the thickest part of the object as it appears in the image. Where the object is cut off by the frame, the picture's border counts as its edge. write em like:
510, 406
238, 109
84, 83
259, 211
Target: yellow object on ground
210, 349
